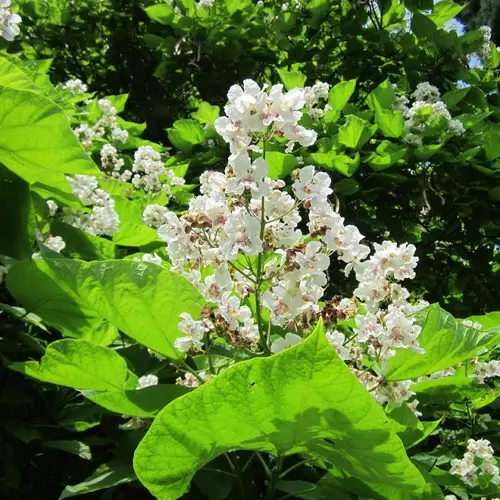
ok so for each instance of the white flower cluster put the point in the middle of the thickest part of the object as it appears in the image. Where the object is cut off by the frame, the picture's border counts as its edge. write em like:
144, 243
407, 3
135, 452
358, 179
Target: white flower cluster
150, 173
485, 50
472, 324
314, 95
153, 258
112, 164
240, 239
205, 4
155, 215
252, 110
426, 109
105, 128
191, 380
477, 465
385, 324
54, 243
103, 219
9, 21
75, 86
486, 370
147, 381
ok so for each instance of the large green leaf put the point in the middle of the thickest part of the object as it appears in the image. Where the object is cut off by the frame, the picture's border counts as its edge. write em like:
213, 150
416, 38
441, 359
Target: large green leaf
185, 134
382, 97
282, 405
332, 161
446, 342
444, 11
82, 245
280, 164
13, 76
390, 122
338, 97
106, 476
36, 141
144, 403
17, 224
292, 79
206, 113
78, 364
355, 132
142, 300
37, 286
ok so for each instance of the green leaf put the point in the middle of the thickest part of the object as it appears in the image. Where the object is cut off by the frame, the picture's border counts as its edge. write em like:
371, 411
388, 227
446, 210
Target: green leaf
282, 405
141, 299
487, 321
185, 134
280, 164
491, 141
295, 488
17, 224
444, 11
342, 163
78, 364
382, 97
206, 113
453, 97
36, 141
391, 123
144, 403
346, 187
135, 235
292, 79
106, 476
455, 389
425, 152
21, 314
13, 76
408, 427
387, 154
36, 285
355, 132
82, 245
422, 26
339, 96
74, 447
446, 342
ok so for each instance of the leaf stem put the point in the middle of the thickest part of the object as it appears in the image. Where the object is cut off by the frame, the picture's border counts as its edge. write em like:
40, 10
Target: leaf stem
260, 262
263, 462
190, 370
293, 467
237, 472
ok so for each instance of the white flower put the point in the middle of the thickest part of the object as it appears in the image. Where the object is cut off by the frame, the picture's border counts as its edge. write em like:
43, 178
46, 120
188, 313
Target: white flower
483, 419
75, 86
55, 243
9, 21
153, 258
336, 340
232, 311
426, 92
147, 381
3, 273
155, 215
281, 344
194, 330
52, 206
249, 176
311, 185
313, 260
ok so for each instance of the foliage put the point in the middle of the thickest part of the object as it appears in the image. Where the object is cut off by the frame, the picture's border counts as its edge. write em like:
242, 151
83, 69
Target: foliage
184, 312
